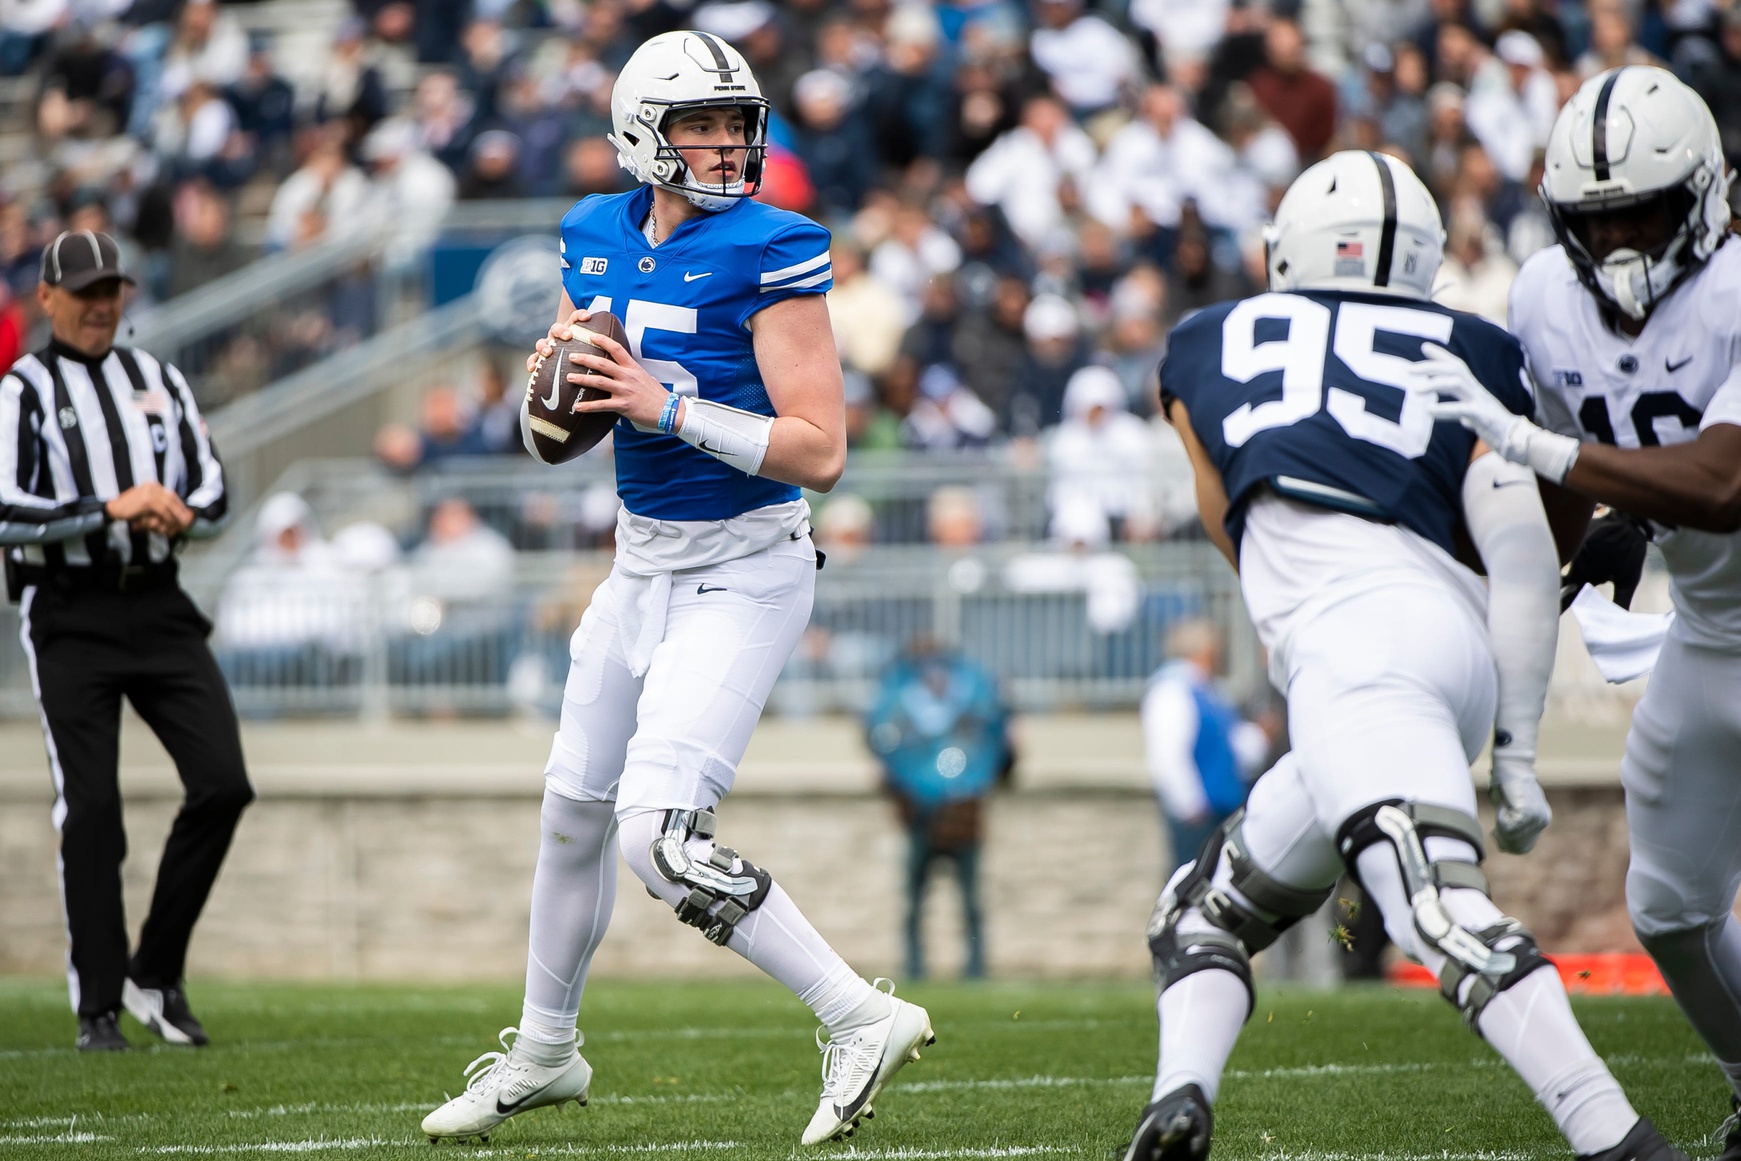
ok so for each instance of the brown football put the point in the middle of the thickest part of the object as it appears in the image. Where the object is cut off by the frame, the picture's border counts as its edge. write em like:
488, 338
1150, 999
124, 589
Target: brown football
558, 434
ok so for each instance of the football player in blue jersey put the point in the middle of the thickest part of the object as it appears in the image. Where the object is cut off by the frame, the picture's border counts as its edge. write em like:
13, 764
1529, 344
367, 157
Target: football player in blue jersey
730, 400
1323, 476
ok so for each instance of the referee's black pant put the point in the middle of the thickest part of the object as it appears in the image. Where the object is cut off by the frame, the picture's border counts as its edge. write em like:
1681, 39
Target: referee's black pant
87, 650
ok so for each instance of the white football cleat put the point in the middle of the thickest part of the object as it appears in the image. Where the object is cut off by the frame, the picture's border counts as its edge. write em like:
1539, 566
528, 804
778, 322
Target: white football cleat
501, 1084
857, 1066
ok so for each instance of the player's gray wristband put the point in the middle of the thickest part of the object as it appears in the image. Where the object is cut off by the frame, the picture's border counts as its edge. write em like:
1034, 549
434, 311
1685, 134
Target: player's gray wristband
728, 434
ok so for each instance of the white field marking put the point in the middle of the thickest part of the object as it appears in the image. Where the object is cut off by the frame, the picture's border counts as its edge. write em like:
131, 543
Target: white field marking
312, 1145
67, 1138
1444, 1155
619, 1150
907, 1153
1018, 1082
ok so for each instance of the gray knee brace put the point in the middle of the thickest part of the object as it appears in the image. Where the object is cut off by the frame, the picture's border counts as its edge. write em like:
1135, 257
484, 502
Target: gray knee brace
1242, 932
1497, 956
722, 890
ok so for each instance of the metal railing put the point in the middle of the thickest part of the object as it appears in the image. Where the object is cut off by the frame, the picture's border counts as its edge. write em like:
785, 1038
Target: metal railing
288, 311
378, 646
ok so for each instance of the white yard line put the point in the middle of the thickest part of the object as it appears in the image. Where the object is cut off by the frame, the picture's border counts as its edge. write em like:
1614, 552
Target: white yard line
911, 1154
312, 1145
68, 1138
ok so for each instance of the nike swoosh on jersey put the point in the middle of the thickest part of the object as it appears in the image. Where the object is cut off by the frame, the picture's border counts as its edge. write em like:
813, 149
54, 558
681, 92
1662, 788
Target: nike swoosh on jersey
1508, 483
701, 589
1673, 367
688, 277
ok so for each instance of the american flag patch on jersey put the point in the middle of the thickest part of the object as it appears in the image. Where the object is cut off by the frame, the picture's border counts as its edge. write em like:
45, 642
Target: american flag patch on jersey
1350, 258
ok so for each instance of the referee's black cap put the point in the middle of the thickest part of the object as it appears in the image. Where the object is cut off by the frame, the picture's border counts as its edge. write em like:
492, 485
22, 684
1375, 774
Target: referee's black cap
81, 258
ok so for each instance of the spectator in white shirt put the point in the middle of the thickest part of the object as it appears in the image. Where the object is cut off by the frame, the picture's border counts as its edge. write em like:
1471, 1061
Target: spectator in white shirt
1201, 753
410, 191
1100, 452
1511, 117
1183, 28
915, 251
1024, 171
322, 199
1088, 60
1157, 162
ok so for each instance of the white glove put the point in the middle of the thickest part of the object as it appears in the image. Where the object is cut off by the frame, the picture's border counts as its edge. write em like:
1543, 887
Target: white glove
1522, 809
1513, 436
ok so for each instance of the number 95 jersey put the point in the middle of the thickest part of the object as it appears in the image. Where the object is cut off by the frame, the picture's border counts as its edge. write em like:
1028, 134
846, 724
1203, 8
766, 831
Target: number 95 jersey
1304, 391
686, 305
1680, 375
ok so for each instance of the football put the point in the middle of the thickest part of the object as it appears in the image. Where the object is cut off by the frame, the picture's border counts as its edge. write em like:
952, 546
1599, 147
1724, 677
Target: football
558, 434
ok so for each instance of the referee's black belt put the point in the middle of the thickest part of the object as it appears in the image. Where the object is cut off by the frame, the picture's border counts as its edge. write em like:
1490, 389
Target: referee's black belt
107, 577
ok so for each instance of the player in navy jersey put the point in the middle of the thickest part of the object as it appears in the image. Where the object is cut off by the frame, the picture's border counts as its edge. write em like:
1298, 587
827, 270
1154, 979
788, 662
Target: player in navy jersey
1322, 475
730, 400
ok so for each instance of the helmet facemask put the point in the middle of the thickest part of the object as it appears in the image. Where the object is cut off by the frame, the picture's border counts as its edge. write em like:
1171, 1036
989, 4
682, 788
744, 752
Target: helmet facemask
671, 167
1632, 280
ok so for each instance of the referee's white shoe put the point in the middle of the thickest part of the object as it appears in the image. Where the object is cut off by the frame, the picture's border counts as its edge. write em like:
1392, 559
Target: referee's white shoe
502, 1084
165, 1012
856, 1066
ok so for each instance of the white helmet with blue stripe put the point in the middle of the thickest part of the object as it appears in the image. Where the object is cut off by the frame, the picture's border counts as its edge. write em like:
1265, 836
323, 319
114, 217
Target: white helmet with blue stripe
672, 74
1636, 141
1356, 221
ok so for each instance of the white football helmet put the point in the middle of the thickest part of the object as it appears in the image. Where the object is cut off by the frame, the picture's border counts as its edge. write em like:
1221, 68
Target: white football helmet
1635, 137
675, 73
1356, 221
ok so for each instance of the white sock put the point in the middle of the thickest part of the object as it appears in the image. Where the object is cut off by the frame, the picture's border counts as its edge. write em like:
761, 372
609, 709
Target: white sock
775, 936
1531, 1025
573, 891
1201, 1016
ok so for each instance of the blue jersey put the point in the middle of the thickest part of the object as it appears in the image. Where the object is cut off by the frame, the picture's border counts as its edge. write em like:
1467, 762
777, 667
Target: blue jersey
686, 305
1304, 392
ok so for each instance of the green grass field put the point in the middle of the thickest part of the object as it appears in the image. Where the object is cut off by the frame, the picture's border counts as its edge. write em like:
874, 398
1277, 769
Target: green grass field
730, 1072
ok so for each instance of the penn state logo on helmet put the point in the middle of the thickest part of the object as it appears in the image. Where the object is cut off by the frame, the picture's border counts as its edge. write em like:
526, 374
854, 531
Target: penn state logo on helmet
676, 73
1636, 142
1356, 221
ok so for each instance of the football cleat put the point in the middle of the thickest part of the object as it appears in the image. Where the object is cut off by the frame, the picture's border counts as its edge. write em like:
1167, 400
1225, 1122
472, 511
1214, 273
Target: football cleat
502, 1084
101, 1033
855, 1067
1175, 1128
1643, 1143
164, 1011
1728, 1133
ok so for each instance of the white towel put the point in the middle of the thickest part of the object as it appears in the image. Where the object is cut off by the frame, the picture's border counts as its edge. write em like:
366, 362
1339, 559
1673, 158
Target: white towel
1623, 644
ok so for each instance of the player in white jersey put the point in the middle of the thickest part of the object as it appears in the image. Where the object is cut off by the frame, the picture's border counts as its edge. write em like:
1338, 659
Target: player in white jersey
1632, 325
729, 400
1322, 476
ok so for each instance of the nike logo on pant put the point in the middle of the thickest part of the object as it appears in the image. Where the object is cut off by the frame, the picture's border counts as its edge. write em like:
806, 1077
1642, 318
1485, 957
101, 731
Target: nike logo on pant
702, 589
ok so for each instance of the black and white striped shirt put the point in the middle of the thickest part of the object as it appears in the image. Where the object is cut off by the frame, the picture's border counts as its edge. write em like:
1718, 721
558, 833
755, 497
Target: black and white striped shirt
76, 432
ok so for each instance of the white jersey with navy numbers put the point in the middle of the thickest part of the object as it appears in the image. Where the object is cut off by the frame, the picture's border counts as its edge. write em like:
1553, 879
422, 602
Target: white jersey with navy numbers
1680, 375
686, 305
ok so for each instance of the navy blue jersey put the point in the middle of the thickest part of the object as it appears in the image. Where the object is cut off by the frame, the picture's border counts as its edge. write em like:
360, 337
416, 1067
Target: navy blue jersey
686, 305
1304, 392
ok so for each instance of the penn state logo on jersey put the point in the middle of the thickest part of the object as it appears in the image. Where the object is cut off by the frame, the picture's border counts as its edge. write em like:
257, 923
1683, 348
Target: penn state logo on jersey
1306, 392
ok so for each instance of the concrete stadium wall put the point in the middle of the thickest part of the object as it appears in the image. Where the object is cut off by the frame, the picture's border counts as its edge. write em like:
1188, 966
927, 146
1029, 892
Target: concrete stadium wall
406, 852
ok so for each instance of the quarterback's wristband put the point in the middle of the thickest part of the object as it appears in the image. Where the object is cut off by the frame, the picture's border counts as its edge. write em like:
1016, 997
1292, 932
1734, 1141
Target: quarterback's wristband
728, 434
668, 415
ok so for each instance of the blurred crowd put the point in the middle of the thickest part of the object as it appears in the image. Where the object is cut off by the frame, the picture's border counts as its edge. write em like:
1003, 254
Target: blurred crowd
1024, 194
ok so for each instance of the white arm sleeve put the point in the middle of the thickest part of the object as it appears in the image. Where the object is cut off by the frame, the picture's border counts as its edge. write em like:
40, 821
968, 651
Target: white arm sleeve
1510, 530
729, 434
1170, 724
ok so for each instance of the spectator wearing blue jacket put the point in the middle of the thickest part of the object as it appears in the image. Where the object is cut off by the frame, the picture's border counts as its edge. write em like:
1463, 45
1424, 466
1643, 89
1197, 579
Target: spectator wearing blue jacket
1200, 751
940, 729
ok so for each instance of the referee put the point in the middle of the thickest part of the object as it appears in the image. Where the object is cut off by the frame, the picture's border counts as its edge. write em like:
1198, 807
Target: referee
105, 470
